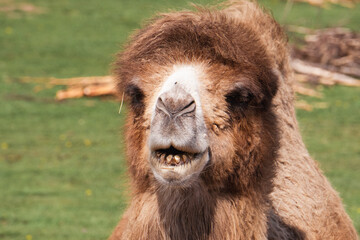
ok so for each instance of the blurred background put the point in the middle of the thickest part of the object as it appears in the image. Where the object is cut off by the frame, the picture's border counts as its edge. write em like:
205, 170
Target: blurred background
62, 167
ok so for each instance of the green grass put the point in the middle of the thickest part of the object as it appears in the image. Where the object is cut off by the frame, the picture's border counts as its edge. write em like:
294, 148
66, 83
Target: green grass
332, 136
62, 170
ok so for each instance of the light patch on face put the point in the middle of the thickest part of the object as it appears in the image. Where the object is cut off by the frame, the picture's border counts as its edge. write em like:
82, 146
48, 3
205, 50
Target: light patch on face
187, 76
186, 134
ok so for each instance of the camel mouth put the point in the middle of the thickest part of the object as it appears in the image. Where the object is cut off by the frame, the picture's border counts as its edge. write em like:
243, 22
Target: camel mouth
176, 167
172, 157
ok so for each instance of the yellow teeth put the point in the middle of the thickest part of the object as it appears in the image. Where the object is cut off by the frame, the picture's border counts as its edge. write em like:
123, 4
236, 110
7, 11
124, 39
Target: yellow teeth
173, 160
177, 159
169, 158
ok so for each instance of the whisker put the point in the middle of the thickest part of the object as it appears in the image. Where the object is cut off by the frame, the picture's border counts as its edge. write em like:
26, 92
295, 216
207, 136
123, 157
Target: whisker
122, 101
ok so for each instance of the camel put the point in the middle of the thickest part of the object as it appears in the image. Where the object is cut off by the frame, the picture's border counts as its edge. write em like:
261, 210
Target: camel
212, 141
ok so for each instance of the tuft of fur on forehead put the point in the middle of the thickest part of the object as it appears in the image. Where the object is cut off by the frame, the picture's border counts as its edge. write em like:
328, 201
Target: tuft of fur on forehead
229, 37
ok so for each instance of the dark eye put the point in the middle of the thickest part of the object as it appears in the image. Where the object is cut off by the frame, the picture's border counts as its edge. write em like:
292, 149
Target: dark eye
136, 96
238, 99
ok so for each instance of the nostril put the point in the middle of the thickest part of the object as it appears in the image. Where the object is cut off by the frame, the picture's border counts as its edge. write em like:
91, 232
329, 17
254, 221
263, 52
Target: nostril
188, 108
161, 106
176, 102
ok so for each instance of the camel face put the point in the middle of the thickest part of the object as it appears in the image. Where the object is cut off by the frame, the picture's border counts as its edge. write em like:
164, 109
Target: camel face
198, 121
178, 140
200, 96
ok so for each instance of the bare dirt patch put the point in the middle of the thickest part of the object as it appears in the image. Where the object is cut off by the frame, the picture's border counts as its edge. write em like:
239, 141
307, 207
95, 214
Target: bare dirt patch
14, 9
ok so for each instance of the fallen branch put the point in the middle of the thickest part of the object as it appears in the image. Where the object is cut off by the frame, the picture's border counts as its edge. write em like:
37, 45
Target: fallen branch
76, 92
104, 89
82, 81
338, 78
350, 71
306, 91
304, 78
89, 91
303, 105
299, 29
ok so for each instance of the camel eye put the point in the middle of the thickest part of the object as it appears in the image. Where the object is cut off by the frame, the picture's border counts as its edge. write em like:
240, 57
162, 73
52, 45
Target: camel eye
238, 99
136, 96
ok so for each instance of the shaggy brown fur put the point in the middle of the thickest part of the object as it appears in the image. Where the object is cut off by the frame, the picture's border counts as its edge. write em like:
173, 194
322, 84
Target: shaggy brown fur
260, 182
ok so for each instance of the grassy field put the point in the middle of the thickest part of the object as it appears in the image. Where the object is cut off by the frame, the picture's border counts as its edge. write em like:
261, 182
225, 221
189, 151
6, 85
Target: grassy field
62, 170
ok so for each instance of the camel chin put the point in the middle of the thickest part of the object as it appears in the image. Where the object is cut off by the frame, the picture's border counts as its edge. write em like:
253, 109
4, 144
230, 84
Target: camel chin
177, 168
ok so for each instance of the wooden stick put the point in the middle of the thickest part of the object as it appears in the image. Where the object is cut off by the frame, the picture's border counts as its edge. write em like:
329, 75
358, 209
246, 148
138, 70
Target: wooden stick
353, 71
338, 78
76, 92
83, 81
98, 90
307, 78
303, 105
342, 61
299, 29
306, 91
